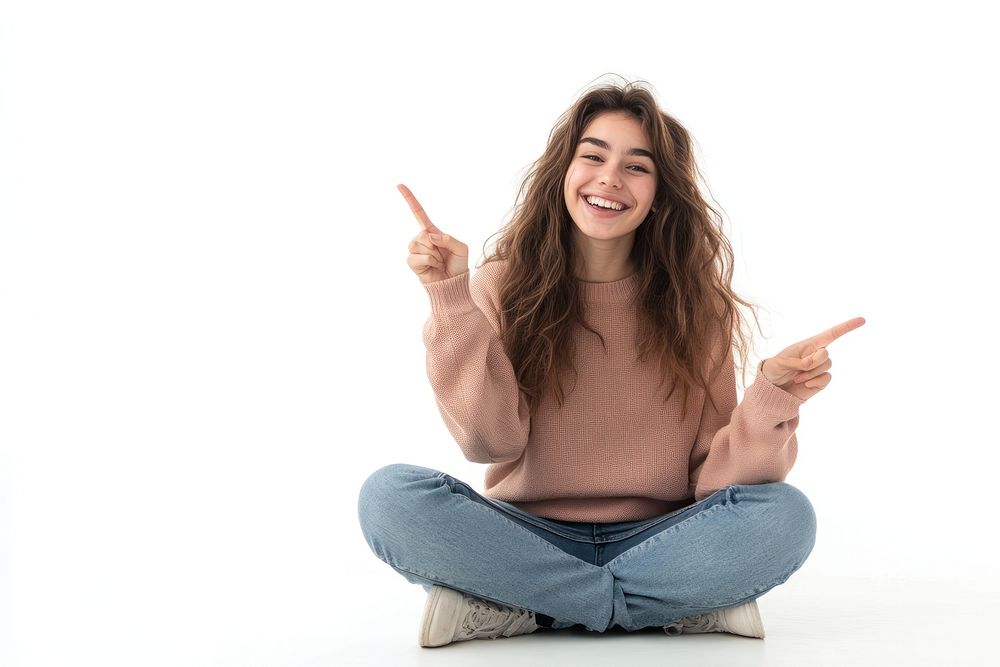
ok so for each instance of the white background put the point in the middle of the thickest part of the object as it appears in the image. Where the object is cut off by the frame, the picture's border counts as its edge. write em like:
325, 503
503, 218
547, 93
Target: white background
209, 335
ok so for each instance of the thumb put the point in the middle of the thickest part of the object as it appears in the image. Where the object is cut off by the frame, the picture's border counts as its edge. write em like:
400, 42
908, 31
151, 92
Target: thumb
445, 241
806, 356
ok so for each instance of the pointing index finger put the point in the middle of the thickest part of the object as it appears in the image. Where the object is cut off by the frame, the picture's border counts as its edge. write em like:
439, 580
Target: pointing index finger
418, 210
833, 333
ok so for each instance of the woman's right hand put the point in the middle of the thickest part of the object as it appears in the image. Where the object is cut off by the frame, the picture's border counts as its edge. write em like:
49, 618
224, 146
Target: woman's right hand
433, 259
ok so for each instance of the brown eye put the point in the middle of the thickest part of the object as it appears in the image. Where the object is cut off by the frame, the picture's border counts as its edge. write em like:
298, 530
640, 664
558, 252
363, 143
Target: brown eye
637, 166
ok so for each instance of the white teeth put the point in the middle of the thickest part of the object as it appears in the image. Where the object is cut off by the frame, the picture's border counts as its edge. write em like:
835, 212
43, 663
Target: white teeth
604, 203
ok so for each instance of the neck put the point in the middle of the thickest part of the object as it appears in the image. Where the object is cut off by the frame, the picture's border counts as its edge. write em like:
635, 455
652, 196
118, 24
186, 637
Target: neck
603, 269
603, 260
609, 275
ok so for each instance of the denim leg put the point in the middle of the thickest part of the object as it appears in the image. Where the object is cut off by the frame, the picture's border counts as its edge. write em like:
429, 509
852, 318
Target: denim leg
415, 523
732, 552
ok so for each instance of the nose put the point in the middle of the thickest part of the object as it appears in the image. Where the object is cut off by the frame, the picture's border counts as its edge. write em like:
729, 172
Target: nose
610, 177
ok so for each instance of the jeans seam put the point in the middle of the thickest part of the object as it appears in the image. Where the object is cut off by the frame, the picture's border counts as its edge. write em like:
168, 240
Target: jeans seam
660, 520
505, 510
578, 563
534, 522
759, 591
547, 544
436, 579
575, 562
575, 538
642, 546
639, 529
526, 517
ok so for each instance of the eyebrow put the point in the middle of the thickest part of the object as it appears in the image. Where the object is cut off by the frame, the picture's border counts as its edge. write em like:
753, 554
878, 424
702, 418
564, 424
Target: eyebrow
606, 146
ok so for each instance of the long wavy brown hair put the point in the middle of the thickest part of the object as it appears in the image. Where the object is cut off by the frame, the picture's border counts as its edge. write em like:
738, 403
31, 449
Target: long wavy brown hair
686, 306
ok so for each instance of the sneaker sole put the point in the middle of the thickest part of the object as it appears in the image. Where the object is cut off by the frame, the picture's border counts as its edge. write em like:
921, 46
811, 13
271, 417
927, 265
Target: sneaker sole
745, 620
442, 613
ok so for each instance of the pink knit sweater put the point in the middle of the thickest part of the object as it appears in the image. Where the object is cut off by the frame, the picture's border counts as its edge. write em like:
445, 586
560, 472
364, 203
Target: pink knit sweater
615, 451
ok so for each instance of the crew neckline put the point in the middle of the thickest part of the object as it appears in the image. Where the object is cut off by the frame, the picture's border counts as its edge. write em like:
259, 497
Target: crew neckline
616, 291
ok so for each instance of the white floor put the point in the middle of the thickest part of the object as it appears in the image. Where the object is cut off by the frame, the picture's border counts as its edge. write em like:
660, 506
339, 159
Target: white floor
807, 621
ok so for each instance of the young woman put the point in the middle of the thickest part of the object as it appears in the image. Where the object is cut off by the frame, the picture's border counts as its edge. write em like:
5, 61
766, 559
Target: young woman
611, 503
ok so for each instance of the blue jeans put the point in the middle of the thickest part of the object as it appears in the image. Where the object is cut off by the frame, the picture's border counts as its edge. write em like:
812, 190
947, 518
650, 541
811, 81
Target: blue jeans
722, 551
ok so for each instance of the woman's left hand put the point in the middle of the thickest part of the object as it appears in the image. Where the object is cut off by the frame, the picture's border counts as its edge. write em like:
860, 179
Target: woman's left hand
800, 369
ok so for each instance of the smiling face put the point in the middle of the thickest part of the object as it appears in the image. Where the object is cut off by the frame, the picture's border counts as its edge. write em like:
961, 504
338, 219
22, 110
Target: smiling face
612, 162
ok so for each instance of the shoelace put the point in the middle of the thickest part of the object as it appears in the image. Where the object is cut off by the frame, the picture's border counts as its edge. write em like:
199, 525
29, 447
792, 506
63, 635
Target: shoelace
488, 619
697, 623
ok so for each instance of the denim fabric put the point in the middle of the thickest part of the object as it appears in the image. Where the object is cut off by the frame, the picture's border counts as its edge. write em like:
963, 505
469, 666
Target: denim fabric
722, 551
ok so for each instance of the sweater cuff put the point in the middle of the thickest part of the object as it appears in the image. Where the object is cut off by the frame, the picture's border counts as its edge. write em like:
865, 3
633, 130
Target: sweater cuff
450, 295
774, 400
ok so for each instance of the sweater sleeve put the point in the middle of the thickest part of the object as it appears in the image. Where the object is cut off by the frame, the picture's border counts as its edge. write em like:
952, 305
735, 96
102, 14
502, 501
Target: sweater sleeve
750, 443
473, 380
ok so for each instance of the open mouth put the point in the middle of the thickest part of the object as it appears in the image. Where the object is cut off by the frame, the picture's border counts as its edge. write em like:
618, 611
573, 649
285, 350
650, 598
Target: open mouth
602, 211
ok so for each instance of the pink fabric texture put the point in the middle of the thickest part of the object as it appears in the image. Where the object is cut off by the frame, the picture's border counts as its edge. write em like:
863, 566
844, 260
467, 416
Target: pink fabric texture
615, 451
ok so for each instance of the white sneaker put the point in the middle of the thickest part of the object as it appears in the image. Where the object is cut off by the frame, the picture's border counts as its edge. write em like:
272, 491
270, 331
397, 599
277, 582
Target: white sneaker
742, 620
454, 616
